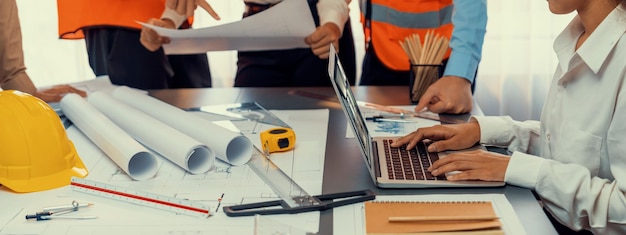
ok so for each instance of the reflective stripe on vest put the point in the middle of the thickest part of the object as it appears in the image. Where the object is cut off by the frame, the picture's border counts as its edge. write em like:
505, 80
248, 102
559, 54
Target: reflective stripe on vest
74, 15
393, 20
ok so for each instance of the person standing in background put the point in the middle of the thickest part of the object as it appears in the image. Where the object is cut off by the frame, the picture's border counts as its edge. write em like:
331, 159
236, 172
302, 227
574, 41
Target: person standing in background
13, 74
294, 67
301, 67
386, 23
112, 37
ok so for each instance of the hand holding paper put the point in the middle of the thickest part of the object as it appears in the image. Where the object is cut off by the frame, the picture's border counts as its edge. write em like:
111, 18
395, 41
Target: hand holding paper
152, 41
321, 39
291, 22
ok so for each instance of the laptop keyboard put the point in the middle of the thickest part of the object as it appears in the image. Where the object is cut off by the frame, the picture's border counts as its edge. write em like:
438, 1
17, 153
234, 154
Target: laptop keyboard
409, 164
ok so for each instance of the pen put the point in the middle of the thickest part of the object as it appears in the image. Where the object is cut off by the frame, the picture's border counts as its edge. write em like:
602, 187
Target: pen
219, 202
392, 118
385, 116
440, 218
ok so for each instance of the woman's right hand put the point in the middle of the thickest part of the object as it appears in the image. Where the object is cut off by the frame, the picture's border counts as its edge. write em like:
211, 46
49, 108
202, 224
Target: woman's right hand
444, 137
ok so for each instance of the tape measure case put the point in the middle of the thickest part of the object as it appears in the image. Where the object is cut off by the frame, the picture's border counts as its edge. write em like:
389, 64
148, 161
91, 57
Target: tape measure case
278, 139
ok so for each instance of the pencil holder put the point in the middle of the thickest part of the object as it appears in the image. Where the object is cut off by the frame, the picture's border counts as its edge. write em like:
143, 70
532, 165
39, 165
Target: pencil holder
421, 76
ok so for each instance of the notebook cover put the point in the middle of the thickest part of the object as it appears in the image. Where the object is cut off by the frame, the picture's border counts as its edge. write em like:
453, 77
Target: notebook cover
377, 215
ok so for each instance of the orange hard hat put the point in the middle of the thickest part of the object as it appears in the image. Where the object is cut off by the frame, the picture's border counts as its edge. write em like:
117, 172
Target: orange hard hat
36, 153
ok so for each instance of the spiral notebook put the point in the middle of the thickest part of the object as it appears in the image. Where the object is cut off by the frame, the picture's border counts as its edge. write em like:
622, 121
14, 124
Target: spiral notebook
418, 217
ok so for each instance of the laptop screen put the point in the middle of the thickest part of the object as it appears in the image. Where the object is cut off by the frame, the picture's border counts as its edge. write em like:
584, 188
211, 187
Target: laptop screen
350, 106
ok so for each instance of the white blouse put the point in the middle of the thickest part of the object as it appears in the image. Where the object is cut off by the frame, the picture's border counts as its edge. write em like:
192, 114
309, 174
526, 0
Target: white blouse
575, 158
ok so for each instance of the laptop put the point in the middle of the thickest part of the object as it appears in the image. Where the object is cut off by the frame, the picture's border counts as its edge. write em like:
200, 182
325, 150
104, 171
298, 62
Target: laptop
390, 167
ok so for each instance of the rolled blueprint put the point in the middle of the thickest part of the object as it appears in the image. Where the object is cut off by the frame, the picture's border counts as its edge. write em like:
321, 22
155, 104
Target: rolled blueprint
132, 157
229, 146
177, 147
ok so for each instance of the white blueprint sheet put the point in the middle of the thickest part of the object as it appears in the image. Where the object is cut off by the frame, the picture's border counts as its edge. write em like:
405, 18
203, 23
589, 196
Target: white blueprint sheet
283, 26
397, 128
350, 219
238, 184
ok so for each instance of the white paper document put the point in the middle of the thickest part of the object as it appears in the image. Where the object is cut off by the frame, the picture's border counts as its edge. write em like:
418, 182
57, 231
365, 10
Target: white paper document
283, 26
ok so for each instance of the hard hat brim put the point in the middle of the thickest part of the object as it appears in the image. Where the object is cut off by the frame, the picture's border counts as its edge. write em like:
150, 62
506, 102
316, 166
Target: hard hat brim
52, 181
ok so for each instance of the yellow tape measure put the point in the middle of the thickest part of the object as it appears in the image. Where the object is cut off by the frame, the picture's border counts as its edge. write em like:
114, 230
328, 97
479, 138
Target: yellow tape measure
278, 139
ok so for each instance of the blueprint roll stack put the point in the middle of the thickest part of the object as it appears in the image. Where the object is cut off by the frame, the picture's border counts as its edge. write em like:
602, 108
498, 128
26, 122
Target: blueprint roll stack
133, 158
170, 143
230, 147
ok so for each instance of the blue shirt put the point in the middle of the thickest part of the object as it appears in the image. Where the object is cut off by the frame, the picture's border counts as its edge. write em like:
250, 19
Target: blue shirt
470, 23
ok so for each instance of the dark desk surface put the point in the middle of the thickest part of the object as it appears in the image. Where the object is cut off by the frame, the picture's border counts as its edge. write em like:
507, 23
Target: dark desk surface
344, 169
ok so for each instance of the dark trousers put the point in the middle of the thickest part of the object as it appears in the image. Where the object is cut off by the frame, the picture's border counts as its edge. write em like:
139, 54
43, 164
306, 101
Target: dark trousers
375, 73
295, 67
117, 52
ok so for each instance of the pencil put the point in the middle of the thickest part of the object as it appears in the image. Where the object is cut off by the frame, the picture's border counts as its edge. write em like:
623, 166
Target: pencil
219, 202
389, 109
440, 218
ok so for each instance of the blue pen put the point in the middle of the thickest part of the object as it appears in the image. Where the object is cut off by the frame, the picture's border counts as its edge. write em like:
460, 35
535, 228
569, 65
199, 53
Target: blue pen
390, 118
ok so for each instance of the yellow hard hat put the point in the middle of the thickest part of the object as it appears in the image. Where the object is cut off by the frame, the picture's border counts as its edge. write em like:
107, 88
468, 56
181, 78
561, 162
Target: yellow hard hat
35, 152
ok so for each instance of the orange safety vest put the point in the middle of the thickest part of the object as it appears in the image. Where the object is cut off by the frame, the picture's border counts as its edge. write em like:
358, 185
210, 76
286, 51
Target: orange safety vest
77, 14
386, 22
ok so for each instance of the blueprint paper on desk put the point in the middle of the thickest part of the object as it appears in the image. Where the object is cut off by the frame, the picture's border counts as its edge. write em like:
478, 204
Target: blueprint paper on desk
283, 26
239, 184
391, 128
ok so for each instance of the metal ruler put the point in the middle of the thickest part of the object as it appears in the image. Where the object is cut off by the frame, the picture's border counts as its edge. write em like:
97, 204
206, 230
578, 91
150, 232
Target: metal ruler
293, 198
172, 204
281, 183
250, 111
